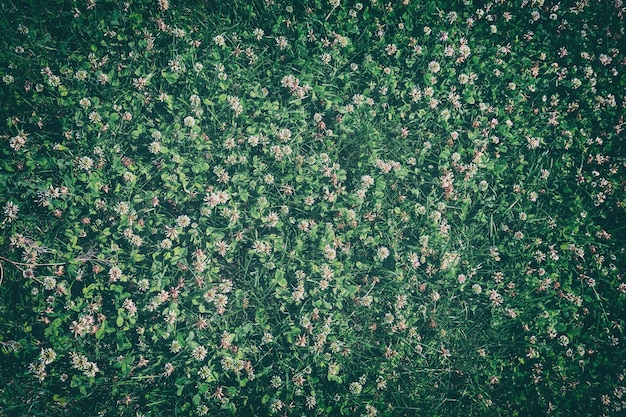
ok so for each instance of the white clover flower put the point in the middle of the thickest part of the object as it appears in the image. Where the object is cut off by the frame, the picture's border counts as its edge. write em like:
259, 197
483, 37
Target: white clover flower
434, 67
391, 49
219, 40
183, 221
95, 117
115, 274
54, 80
47, 356
189, 121
164, 5
17, 142
194, 100
128, 176
258, 33
49, 283
154, 147
175, 347
355, 388
198, 353
382, 253
136, 241
143, 285
85, 163
367, 300
122, 208
235, 104
10, 210
81, 75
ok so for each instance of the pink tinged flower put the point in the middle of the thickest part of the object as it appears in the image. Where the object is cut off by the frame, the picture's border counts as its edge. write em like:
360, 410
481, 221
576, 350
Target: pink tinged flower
199, 353
130, 307
142, 362
301, 341
445, 353
115, 274
168, 369
495, 298
10, 210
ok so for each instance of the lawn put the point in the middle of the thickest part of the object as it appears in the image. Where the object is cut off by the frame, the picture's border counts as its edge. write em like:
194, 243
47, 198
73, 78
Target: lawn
313, 208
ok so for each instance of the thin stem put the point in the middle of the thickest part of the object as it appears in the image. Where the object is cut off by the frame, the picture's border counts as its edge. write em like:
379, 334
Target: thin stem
14, 263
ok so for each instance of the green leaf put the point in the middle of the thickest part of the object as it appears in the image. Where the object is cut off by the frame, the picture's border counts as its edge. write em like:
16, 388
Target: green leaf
138, 131
137, 257
292, 334
100, 331
126, 368
351, 289
62, 401
170, 77
280, 278
335, 378
499, 167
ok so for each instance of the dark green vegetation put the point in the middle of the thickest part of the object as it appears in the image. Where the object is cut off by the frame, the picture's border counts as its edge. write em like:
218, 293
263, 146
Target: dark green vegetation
330, 208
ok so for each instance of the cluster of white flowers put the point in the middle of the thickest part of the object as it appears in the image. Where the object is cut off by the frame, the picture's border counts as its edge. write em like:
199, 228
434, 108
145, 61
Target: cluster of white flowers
81, 363
293, 84
18, 141
235, 104
10, 211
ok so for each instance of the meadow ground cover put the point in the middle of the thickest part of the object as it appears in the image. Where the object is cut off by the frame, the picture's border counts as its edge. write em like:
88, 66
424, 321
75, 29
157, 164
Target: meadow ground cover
320, 208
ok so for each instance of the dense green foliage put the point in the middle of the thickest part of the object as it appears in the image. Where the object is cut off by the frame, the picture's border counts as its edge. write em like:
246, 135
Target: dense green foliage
323, 208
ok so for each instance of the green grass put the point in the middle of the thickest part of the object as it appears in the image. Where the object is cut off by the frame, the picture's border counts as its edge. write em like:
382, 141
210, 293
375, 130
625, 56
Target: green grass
329, 208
